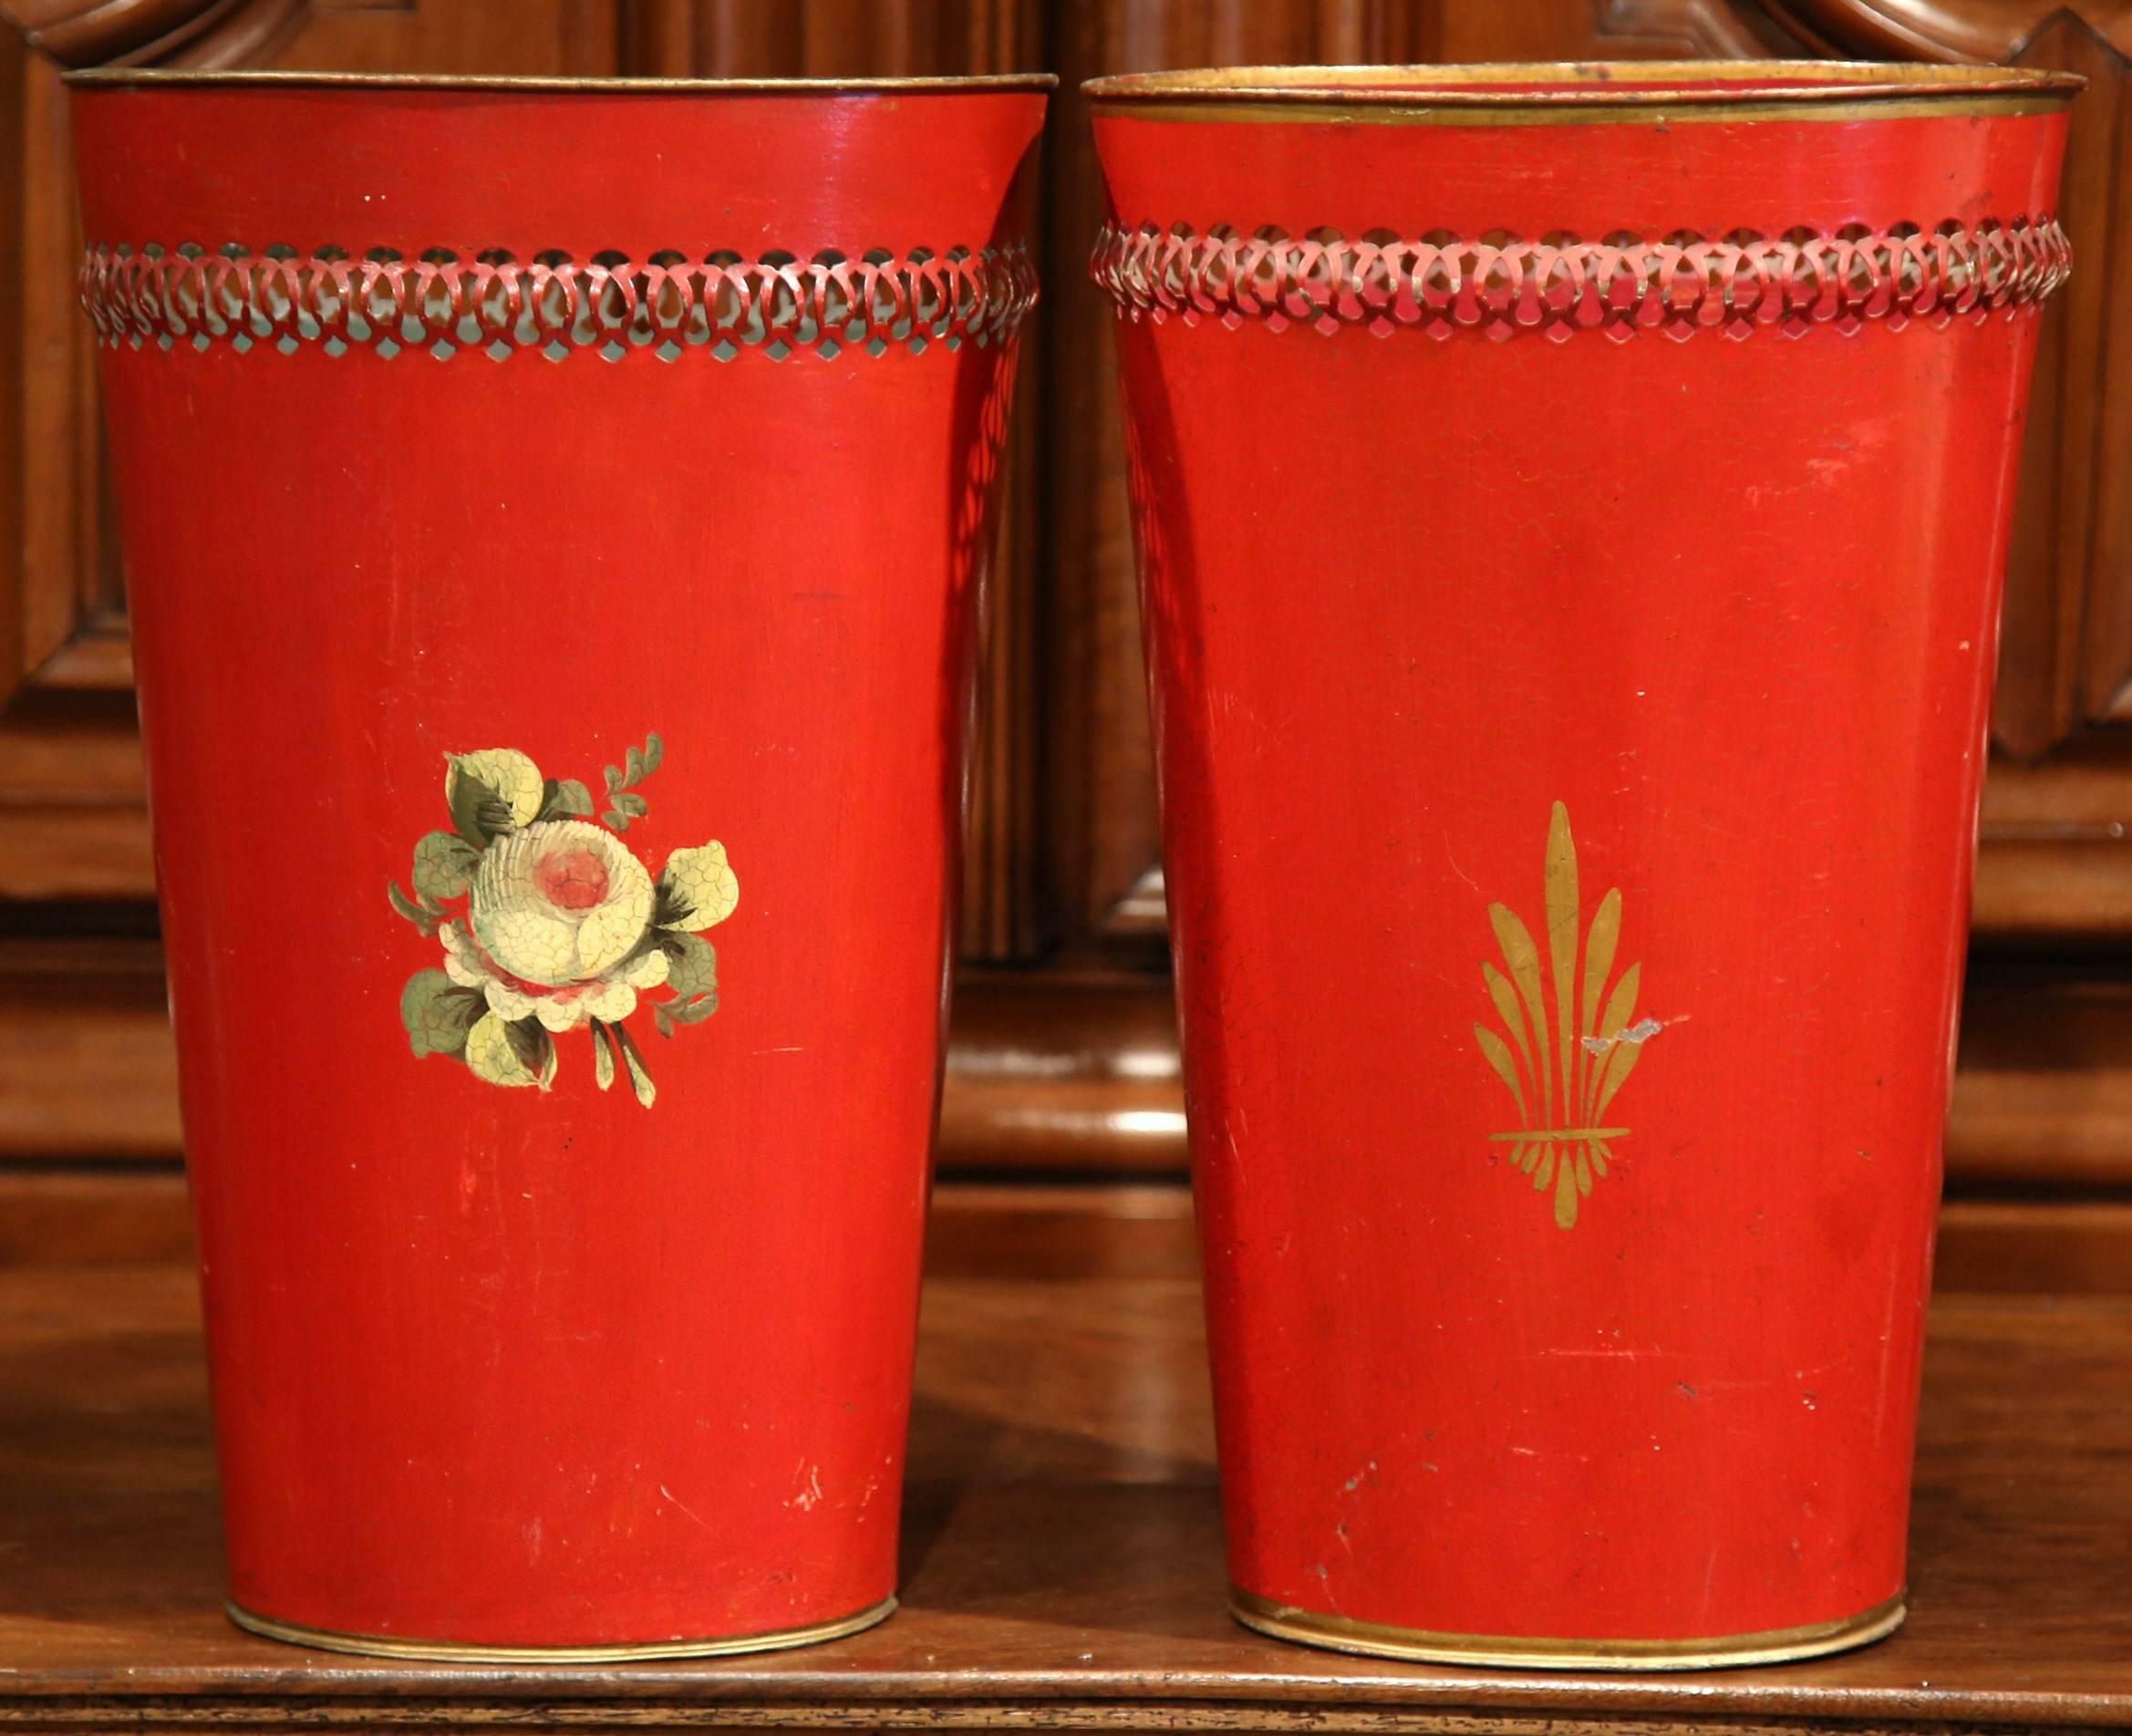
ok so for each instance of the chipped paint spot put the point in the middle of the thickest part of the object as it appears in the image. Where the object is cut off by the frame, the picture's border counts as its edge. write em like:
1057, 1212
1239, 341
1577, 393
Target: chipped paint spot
1640, 1032
1368, 1472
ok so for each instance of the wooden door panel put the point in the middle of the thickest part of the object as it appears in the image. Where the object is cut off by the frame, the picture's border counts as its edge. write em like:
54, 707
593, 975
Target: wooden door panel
2055, 861
1106, 888
72, 817
74, 823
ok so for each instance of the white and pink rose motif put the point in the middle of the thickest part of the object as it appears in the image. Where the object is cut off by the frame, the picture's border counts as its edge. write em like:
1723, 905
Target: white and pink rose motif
550, 923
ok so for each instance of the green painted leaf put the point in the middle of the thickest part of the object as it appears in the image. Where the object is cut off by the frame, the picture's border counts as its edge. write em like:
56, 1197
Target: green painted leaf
534, 1048
438, 1013
631, 803
477, 810
603, 1059
422, 919
444, 866
639, 1079
694, 967
617, 820
565, 797
655, 753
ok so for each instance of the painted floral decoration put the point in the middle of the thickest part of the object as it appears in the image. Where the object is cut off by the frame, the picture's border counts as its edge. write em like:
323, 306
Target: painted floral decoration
550, 923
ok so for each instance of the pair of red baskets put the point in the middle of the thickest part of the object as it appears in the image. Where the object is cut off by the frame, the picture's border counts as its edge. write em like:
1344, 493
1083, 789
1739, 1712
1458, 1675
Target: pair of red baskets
1571, 506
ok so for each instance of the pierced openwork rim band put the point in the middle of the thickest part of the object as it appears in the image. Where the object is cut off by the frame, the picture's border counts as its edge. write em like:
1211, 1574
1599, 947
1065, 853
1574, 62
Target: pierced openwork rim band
611, 304
1773, 1646
1625, 285
444, 1651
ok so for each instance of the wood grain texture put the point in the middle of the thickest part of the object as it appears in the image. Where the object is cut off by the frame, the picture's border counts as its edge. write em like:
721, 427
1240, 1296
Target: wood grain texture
2047, 869
68, 827
1079, 1073
1001, 919
1063, 1560
1052, 1087
1101, 837
2042, 1100
95, 33
89, 1214
1045, 1079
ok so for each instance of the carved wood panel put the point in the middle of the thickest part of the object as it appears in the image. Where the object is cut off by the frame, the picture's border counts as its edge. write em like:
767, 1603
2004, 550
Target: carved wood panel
1103, 860
843, 38
1063, 844
70, 779
2055, 857
72, 810
1070, 1069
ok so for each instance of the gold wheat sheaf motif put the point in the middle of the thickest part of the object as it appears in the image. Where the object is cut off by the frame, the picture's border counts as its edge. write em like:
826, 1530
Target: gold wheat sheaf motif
1571, 1041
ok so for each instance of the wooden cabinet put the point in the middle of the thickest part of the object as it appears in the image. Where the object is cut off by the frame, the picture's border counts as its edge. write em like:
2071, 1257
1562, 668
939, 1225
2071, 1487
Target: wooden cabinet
1063, 1065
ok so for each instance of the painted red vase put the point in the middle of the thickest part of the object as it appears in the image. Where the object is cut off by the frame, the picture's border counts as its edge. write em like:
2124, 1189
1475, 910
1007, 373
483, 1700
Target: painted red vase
554, 515
1571, 507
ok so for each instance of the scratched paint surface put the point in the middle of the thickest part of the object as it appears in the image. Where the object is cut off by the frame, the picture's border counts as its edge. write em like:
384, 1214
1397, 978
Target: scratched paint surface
1570, 754
539, 1366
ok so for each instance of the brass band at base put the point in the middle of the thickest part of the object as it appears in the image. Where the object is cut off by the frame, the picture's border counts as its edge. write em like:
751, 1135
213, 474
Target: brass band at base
1722, 1651
445, 1651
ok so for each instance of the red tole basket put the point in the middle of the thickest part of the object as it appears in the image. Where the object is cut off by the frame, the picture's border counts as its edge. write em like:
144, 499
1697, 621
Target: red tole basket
555, 515
1571, 505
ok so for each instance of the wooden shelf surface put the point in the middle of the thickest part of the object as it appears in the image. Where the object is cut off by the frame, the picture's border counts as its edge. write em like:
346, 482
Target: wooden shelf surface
1063, 1565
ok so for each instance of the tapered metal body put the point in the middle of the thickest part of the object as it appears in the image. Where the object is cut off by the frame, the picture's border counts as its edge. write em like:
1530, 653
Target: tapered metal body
1572, 505
553, 516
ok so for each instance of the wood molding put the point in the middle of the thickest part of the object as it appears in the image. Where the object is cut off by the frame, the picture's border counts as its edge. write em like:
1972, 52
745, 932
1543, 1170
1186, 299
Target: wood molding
73, 798
1979, 30
1065, 1074
1690, 30
59, 629
134, 33
1059, 1232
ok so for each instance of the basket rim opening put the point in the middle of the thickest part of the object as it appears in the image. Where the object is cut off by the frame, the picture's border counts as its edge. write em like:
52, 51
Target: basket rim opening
1718, 86
184, 78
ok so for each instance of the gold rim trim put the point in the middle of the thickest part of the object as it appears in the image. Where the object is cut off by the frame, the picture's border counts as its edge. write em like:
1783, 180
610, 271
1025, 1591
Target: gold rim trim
1777, 1646
98, 77
444, 1651
1583, 93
